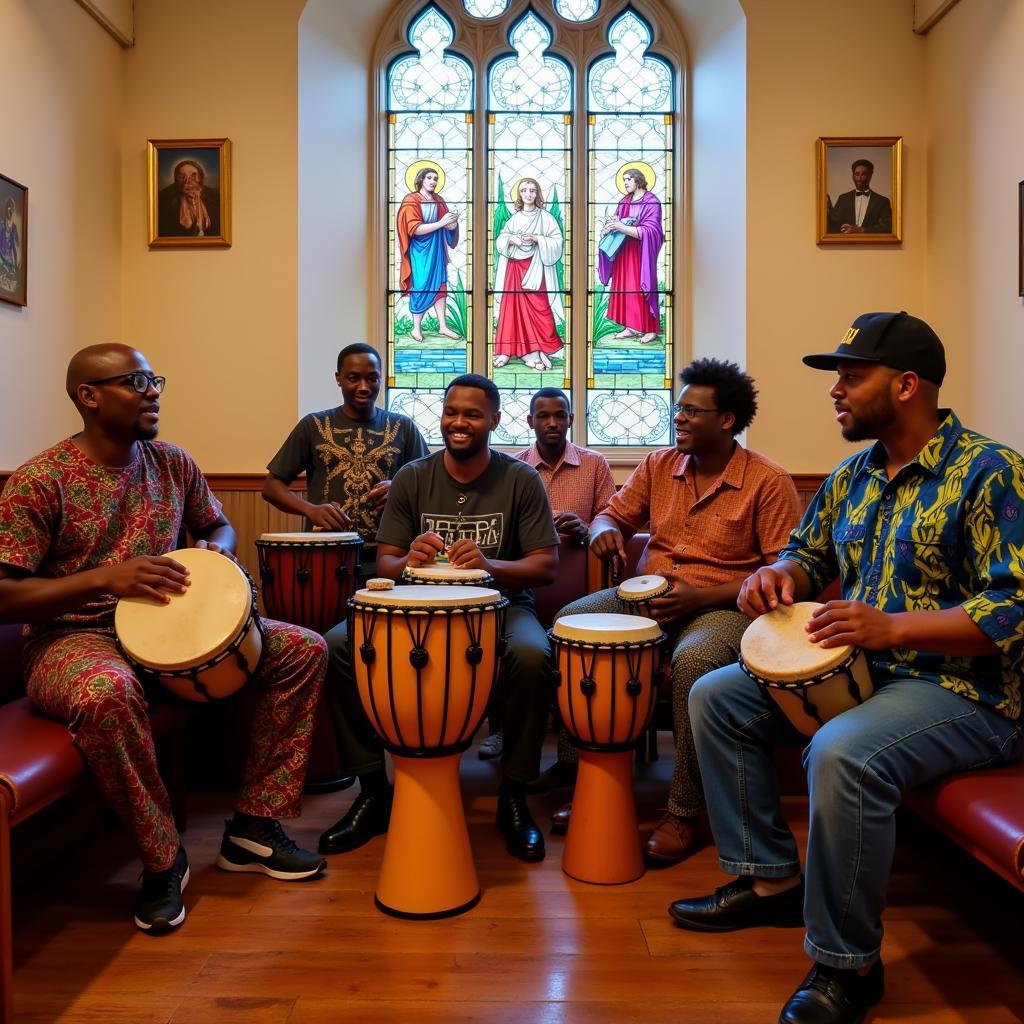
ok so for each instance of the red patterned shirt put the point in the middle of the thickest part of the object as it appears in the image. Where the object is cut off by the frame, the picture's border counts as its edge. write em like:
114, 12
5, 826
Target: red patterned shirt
61, 513
580, 482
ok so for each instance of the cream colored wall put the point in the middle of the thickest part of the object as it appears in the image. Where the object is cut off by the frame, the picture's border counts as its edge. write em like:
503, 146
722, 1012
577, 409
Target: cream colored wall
61, 137
220, 323
814, 69
975, 78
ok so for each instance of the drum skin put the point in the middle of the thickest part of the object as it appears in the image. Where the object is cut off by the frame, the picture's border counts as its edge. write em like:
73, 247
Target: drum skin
307, 578
447, 576
810, 684
207, 643
607, 675
426, 658
635, 594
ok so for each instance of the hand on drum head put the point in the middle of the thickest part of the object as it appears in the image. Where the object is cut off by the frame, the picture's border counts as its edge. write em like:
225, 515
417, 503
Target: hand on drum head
378, 496
837, 623
681, 602
424, 550
154, 576
464, 554
210, 546
328, 517
764, 590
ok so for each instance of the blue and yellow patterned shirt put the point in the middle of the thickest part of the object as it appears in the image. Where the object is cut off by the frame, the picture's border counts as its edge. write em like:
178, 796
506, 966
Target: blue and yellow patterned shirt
946, 530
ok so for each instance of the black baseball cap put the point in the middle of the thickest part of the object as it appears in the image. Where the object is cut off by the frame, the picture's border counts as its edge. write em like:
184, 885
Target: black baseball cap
898, 340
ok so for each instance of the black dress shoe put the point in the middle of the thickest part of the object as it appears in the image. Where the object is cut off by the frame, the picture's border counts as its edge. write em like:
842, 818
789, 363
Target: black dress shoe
522, 837
736, 905
832, 996
560, 820
559, 776
368, 816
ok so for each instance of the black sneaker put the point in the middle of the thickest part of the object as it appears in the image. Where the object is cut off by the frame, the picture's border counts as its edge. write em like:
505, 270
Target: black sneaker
159, 907
261, 845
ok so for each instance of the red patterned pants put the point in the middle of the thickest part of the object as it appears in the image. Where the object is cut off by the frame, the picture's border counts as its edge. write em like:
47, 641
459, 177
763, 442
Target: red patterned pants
80, 677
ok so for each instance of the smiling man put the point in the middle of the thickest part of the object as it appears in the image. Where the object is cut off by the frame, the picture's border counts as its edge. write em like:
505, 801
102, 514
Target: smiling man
487, 511
924, 530
91, 520
716, 511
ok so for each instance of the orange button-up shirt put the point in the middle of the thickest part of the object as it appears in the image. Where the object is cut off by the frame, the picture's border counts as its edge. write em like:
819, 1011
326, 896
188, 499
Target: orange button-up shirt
738, 524
581, 481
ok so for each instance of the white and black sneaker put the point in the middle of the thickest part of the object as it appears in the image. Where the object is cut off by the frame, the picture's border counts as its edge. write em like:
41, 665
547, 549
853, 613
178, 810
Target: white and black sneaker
260, 844
159, 906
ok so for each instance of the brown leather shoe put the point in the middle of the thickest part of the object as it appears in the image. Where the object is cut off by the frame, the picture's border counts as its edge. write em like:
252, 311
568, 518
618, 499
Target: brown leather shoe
672, 840
560, 820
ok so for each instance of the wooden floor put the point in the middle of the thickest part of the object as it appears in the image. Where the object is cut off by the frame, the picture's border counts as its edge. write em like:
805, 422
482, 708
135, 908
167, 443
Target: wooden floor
540, 948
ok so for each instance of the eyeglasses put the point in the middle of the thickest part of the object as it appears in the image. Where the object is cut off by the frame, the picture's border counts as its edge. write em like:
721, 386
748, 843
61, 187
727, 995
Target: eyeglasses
140, 382
691, 412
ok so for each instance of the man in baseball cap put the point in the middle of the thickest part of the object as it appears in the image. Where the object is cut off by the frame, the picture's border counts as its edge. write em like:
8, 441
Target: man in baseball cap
921, 529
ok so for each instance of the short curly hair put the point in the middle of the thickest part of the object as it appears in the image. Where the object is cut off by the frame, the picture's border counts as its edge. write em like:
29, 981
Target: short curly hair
734, 389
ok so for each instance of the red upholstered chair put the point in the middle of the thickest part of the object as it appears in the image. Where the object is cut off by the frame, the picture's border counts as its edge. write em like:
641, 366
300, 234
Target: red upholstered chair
569, 585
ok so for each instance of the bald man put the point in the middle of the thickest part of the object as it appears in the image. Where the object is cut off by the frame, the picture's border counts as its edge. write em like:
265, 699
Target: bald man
90, 520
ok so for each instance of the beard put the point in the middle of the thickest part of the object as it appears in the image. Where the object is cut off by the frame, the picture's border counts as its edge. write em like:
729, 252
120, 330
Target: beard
146, 433
874, 418
465, 454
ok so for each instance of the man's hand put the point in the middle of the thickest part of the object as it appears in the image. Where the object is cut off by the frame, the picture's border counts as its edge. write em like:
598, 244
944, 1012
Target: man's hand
424, 550
608, 545
764, 590
568, 524
378, 497
155, 576
329, 516
464, 554
837, 623
217, 548
450, 219
681, 602
851, 229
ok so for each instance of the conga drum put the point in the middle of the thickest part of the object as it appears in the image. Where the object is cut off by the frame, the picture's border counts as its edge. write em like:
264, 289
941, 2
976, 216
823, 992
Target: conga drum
444, 575
811, 684
635, 594
425, 659
207, 643
307, 578
607, 667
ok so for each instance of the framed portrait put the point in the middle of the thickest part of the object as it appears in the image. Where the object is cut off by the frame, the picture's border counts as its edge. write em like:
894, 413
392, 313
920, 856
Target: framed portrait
860, 190
1020, 239
13, 242
189, 193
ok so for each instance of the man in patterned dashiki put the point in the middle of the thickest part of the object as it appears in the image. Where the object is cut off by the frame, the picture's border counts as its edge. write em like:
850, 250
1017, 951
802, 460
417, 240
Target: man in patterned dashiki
349, 454
91, 520
925, 531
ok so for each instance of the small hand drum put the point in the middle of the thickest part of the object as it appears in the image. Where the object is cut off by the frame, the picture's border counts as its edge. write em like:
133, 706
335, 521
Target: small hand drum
811, 684
447, 576
208, 642
635, 594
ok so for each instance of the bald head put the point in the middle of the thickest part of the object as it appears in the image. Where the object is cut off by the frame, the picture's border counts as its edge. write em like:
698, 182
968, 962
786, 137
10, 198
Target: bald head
99, 361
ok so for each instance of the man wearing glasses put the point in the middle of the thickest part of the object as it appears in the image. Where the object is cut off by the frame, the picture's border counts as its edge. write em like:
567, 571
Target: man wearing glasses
716, 512
91, 520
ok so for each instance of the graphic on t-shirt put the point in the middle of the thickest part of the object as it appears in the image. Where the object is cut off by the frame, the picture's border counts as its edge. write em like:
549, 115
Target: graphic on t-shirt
362, 458
485, 531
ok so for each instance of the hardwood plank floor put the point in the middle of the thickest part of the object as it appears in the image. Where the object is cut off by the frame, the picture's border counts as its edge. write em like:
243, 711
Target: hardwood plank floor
540, 948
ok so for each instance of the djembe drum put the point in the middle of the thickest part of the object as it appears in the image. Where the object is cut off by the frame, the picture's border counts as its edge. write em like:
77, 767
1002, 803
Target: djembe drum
811, 684
635, 594
607, 668
307, 578
425, 659
443, 575
207, 642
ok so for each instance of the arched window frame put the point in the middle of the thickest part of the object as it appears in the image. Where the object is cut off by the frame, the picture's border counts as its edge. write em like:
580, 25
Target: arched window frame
482, 42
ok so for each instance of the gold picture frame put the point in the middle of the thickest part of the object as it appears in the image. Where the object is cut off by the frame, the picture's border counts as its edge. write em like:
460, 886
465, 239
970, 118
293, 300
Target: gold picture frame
189, 193
872, 164
13, 242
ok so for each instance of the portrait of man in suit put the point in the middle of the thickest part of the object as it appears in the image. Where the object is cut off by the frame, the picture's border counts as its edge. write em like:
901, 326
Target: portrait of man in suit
861, 210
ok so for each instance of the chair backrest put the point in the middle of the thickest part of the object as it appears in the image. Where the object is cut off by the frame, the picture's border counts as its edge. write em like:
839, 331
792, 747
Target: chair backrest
570, 584
12, 682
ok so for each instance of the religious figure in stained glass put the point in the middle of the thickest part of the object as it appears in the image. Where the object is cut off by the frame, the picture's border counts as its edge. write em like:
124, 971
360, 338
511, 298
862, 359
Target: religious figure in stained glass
527, 298
426, 231
628, 254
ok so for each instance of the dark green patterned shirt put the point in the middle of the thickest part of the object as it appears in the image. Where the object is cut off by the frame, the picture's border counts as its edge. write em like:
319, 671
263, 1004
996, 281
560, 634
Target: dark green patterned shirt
947, 530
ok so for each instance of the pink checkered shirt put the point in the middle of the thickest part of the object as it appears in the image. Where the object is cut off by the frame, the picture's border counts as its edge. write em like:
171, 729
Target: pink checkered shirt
580, 482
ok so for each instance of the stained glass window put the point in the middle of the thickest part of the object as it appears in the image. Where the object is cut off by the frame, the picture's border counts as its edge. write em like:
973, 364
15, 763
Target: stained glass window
630, 147
528, 161
577, 10
430, 218
485, 8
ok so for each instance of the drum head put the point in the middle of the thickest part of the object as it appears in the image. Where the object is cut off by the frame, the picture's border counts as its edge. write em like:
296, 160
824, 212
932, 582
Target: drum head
776, 646
427, 595
431, 573
197, 625
642, 588
606, 628
310, 537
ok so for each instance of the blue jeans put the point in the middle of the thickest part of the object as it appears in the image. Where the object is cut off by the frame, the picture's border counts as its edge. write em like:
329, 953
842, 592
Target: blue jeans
858, 765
